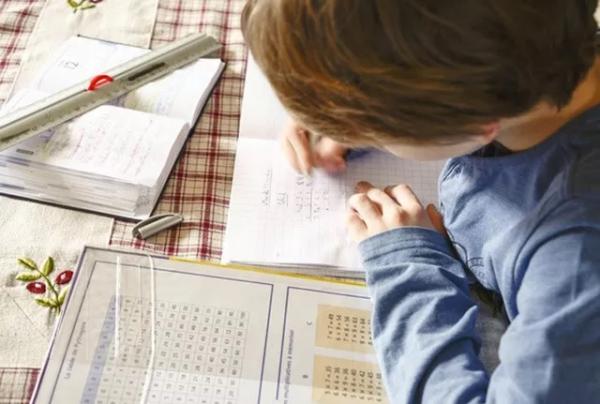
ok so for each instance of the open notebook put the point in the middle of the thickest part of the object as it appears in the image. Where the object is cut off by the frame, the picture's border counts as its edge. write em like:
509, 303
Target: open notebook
141, 329
116, 158
280, 218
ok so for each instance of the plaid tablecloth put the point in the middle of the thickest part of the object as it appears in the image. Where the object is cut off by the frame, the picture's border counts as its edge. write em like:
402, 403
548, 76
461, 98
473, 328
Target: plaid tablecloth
200, 183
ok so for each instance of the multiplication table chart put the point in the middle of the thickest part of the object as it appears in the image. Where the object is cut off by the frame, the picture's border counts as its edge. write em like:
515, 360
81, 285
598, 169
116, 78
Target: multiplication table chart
343, 381
197, 359
344, 328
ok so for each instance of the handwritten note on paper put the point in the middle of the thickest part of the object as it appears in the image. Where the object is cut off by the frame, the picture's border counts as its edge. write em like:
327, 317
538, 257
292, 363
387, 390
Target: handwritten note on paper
80, 59
110, 141
279, 217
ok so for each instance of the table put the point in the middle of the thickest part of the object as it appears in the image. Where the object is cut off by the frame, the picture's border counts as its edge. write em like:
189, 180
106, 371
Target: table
200, 183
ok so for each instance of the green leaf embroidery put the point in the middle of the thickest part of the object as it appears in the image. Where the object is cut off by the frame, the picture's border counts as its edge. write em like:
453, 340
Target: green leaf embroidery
81, 5
45, 302
48, 266
62, 295
27, 263
28, 276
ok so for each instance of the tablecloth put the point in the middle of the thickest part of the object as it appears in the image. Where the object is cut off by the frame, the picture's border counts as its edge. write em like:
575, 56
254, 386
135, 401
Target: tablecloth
201, 180
200, 183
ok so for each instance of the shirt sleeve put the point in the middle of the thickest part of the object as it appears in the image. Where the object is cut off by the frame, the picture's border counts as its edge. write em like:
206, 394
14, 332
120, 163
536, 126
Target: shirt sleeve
424, 319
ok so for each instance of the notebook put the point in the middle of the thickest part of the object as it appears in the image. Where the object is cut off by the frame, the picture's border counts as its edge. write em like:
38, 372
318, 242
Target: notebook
146, 329
278, 217
116, 158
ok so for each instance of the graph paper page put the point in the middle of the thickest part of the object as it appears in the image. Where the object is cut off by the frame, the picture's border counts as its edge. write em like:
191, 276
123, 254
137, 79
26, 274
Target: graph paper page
277, 216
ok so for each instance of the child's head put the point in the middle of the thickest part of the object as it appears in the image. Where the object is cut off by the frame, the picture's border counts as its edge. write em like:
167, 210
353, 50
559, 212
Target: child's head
419, 72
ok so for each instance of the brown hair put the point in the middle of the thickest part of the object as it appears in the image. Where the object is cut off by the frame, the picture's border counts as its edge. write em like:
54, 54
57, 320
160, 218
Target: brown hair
379, 71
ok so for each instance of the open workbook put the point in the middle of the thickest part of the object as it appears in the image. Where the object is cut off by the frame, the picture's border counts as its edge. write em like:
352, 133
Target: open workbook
278, 217
141, 329
116, 158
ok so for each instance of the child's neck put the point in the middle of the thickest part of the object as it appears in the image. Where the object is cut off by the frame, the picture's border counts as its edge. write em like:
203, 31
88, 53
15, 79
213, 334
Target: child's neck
543, 121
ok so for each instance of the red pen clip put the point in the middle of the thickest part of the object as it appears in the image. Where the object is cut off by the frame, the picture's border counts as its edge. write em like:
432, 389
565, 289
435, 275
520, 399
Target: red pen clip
99, 81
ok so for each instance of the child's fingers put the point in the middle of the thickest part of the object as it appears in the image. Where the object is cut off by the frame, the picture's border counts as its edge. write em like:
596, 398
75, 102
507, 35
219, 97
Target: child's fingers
365, 207
405, 196
386, 203
290, 154
303, 149
362, 187
356, 226
329, 154
436, 219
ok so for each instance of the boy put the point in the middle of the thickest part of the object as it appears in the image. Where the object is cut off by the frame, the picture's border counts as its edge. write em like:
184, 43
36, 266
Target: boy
511, 90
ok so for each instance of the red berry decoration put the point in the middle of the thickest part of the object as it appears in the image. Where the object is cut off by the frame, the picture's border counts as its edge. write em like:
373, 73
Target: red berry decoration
36, 287
64, 277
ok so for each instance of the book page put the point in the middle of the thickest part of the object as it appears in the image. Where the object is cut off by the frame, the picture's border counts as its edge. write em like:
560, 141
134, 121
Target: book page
278, 216
108, 141
263, 116
80, 59
148, 329
181, 94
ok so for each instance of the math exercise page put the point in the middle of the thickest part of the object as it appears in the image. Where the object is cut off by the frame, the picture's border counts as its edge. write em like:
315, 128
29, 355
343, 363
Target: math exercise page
152, 330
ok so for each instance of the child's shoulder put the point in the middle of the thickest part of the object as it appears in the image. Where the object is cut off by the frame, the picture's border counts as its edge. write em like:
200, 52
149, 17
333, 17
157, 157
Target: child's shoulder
584, 177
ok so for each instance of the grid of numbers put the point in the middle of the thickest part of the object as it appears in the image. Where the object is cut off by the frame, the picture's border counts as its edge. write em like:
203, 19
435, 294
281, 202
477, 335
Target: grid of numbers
344, 328
342, 381
198, 356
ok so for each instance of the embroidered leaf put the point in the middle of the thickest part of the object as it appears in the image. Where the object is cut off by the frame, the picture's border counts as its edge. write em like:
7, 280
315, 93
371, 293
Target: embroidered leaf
62, 295
48, 266
28, 276
45, 302
88, 6
27, 263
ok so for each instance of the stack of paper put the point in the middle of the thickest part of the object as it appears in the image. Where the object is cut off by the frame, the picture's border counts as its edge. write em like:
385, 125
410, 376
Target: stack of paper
116, 158
278, 217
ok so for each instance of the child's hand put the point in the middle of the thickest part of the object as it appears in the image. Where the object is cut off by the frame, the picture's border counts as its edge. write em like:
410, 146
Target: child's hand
304, 156
372, 211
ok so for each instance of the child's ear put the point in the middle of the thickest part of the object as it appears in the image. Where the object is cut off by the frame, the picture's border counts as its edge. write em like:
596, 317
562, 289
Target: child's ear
488, 133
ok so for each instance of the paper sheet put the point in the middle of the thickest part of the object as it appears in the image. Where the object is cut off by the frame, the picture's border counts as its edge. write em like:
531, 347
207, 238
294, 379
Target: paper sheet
180, 94
279, 217
221, 335
130, 23
109, 141
127, 149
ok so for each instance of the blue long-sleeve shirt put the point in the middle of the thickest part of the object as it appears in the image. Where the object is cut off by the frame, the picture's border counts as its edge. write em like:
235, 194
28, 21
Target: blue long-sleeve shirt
526, 225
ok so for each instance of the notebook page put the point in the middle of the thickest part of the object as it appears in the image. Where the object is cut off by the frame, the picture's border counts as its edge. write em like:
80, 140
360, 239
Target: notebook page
108, 141
263, 116
181, 94
80, 59
280, 217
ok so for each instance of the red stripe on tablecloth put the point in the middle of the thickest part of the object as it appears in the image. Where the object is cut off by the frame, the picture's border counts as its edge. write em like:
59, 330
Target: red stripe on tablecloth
200, 183
17, 384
